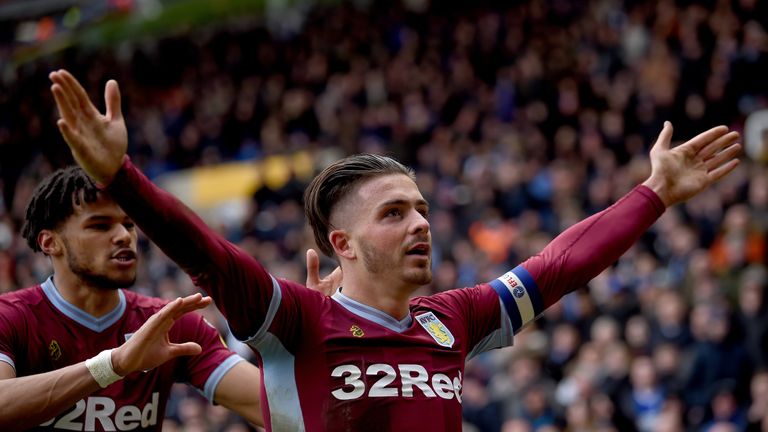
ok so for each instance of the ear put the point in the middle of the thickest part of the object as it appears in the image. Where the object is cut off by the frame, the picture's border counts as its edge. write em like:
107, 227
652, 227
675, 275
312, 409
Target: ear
49, 243
341, 245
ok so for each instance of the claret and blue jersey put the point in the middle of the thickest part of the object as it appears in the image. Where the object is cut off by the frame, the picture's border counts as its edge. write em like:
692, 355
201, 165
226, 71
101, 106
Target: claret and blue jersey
331, 363
40, 331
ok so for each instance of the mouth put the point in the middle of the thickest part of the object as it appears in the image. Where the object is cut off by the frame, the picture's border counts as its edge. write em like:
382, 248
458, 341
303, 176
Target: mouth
419, 249
124, 256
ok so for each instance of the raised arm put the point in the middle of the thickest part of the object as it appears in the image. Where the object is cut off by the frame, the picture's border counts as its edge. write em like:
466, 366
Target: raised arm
241, 288
584, 250
31, 400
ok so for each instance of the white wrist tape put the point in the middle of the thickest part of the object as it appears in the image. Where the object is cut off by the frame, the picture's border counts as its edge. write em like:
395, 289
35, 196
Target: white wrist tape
101, 368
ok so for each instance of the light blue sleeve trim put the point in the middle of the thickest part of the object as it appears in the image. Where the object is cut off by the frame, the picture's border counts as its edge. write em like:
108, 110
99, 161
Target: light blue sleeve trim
6, 359
501, 337
274, 303
216, 376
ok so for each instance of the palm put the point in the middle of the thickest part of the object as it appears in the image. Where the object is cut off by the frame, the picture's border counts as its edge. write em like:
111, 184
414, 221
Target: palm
150, 346
98, 142
682, 172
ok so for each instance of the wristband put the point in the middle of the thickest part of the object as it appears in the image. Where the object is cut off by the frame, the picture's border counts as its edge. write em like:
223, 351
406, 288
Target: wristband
101, 368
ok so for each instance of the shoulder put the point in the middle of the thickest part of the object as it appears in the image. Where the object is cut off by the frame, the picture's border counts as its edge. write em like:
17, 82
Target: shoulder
451, 298
22, 311
460, 303
300, 293
23, 299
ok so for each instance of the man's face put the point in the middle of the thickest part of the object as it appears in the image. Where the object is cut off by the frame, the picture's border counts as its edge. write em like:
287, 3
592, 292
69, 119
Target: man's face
99, 244
387, 220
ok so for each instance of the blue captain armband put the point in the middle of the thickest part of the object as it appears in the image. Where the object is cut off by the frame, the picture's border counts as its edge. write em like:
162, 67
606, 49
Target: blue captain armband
520, 296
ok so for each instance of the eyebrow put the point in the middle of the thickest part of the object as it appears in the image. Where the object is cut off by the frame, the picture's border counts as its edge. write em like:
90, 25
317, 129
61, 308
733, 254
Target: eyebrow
106, 218
419, 202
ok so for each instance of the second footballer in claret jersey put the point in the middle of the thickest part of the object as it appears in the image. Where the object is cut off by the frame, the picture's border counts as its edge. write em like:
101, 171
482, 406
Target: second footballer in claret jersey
40, 331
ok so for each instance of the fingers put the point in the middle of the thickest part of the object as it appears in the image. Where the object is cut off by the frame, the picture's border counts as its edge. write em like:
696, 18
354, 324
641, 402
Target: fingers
64, 104
723, 157
186, 348
313, 268
703, 139
71, 98
665, 137
180, 306
73, 87
335, 277
723, 170
75, 95
193, 302
66, 131
717, 145
112, 99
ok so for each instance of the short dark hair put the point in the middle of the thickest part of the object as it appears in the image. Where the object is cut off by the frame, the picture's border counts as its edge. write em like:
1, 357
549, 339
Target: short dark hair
334, 183
54, 200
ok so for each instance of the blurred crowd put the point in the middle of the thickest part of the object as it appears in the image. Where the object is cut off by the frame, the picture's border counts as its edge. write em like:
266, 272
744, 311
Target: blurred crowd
520, 118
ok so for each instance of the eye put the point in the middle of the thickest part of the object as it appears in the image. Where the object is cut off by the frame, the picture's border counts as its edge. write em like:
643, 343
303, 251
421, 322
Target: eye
393, 213
99, 227
130, 226
424, 212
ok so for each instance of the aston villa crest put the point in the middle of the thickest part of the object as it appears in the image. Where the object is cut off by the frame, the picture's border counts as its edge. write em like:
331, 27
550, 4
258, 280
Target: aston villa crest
436, 329
54, 350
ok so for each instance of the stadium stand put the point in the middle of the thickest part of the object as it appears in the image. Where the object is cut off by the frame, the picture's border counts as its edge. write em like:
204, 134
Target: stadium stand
520, 118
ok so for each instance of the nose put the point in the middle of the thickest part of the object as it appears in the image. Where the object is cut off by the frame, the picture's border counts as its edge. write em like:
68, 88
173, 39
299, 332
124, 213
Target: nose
420, 223
122, 235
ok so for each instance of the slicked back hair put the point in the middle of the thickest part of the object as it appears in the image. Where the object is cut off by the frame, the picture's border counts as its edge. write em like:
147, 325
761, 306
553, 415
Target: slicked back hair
334, 183
54, 200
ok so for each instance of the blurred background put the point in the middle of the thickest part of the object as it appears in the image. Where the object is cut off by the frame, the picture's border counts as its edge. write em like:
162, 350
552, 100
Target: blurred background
520, 117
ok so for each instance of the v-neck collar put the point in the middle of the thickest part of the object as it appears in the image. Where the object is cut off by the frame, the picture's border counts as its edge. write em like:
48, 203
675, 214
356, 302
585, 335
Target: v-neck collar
373, 314
80, 316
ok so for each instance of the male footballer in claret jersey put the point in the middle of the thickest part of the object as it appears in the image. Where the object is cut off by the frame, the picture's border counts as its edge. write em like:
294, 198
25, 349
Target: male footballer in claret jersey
370, 357
83, 310
80, 352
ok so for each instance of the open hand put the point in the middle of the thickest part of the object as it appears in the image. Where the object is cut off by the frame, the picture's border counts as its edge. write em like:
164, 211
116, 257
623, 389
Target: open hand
98, 142
679, 173
150, 347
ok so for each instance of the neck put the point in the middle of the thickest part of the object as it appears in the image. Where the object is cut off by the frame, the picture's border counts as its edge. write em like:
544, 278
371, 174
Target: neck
386, 296
93, 300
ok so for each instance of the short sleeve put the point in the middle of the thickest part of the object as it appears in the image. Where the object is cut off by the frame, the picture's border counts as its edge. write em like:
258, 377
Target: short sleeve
10, 317
205, 370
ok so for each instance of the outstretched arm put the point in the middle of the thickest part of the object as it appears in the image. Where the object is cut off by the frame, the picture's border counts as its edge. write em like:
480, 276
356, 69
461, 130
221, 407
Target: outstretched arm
31, 400
241, 288
584, 250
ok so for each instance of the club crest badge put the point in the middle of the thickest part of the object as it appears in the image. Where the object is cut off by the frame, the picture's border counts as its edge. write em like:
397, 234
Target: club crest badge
357, 331
436, 329
54, 350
